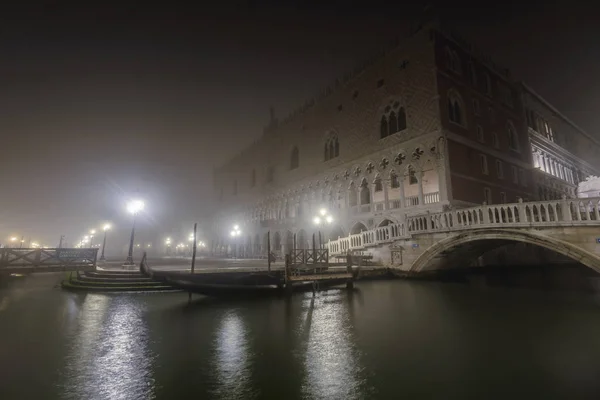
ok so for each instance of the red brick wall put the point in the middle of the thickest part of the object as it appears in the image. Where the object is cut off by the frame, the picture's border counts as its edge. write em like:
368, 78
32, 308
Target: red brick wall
468, 180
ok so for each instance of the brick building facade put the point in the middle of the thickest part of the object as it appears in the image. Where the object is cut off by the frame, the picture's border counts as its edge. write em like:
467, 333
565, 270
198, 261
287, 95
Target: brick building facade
429, 125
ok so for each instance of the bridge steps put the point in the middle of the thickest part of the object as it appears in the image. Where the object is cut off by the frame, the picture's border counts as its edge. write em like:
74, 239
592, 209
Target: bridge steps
113, 281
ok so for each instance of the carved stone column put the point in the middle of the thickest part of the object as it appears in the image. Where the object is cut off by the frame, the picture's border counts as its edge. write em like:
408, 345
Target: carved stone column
419, 176
401, 187
386, 199
442, 182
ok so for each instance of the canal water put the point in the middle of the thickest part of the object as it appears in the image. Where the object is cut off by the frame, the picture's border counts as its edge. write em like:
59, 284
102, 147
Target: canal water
384, 340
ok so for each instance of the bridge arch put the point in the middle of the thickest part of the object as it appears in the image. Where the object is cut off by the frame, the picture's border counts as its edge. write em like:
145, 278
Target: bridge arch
358, 227
504, 236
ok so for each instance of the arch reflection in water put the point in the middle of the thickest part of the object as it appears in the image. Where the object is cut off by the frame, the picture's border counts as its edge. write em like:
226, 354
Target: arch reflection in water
331, 359
110, 356
232, 358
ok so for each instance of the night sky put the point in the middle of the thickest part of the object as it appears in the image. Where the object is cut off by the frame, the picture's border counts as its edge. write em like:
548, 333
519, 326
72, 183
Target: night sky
96, 104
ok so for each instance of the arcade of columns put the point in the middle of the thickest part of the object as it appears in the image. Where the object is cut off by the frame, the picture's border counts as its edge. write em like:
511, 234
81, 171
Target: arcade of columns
347, 193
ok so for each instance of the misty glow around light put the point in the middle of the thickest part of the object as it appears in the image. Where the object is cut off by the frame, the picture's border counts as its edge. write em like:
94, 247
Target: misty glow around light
106, 227
135, 206
325, 217
93, 231
12, 239
236, 231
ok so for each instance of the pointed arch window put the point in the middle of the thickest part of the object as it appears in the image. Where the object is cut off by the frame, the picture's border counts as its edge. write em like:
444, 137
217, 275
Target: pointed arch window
412, 176
456, 109
487, 84
394, 181
513, 137
295, 158
378, 185
365, 193
393, 120
332, 147
352, 195
452, 60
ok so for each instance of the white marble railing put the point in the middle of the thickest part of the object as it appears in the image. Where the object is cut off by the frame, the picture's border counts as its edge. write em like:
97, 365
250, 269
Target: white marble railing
566, 212
411, 201
431, 198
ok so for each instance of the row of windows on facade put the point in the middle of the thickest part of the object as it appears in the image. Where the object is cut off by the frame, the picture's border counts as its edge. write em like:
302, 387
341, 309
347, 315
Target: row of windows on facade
452, 62
518, 174
555, 167
456, 115
540, 125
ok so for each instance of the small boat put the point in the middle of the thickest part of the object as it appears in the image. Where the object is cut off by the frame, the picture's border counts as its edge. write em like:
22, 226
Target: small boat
231, 284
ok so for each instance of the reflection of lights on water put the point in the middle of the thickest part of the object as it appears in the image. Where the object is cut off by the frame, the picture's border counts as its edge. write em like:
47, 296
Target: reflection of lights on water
331, 363
110, 358
233, 370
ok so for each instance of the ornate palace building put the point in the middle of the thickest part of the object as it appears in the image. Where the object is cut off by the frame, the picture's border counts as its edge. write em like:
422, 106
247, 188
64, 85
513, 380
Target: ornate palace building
429, 125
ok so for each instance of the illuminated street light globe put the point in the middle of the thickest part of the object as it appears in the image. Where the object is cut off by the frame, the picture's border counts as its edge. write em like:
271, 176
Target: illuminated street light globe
135, 206
324, 217
106, 227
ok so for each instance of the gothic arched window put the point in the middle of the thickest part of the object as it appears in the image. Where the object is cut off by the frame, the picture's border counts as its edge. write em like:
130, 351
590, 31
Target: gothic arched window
295, 158
332, 147
456, 108
513, 137
393, 120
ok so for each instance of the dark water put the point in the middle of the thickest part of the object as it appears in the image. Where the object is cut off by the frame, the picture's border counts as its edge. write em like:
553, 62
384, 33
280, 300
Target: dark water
385, 340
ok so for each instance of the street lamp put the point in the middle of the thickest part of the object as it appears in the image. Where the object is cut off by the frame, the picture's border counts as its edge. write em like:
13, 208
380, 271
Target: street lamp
13, 240
323, 218
92, 233
105, 228
235, 233
133, 207
168, 243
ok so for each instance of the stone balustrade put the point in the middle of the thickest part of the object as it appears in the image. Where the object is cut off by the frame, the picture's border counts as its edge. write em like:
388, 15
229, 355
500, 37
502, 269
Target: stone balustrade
566, 212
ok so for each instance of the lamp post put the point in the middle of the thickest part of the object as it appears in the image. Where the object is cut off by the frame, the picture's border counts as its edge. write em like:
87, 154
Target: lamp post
168, 244
234, 234
92, 233
105, 228
133, 207
323, 218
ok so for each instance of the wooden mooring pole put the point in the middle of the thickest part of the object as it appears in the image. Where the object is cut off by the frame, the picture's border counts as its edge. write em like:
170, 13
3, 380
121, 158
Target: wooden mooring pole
193, 257
269, 251
350, 282
288, 275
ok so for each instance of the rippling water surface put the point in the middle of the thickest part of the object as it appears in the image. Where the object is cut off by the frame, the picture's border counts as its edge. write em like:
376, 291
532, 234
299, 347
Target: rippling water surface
384, 340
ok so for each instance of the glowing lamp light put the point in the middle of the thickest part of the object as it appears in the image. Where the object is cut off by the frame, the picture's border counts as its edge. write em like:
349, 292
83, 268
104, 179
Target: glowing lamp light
329, 219
317, 220
135, 206
106, 227
323, 211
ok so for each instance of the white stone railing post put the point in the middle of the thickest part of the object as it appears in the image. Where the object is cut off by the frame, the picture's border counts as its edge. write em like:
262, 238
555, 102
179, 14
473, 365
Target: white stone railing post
566, 209
521, 211
486, 213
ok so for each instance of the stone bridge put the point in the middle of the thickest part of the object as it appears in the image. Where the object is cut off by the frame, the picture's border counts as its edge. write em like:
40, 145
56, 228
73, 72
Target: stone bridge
570, 227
